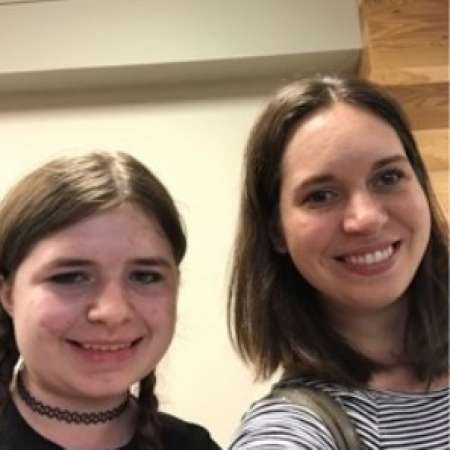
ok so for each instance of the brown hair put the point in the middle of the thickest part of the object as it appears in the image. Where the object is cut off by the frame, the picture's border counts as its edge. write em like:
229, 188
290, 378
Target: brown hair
271, 318
61, 193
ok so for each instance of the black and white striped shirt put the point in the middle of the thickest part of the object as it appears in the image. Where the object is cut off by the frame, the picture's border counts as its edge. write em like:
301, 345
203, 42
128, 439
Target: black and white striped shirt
384, 421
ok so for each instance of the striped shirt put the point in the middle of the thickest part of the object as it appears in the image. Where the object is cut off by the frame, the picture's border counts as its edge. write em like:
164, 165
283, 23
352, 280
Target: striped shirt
384, 420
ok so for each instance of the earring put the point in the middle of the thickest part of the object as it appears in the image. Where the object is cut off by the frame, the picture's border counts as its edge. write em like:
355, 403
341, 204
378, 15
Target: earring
17, 368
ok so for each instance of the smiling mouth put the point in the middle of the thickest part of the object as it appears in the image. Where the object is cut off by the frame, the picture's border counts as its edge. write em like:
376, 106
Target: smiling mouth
103, 347
368, 259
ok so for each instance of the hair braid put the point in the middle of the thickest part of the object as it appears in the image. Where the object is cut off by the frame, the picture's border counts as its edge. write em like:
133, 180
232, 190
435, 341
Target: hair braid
148, 427
8, 355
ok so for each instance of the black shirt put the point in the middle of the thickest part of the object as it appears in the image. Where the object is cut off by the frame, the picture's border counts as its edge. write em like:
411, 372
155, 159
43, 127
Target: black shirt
16, 434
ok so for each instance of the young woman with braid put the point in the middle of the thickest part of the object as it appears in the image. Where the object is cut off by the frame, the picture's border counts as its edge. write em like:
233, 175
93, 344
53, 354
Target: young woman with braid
340, 275
89, 254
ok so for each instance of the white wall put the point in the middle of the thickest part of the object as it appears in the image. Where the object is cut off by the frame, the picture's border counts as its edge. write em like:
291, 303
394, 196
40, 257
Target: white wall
193, 141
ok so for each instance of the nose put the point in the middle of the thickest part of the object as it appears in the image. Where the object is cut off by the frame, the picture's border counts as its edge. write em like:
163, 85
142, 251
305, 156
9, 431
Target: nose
111, 306
364, 214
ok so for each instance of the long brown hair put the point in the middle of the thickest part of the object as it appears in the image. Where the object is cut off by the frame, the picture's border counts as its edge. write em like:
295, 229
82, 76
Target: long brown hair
272, 321
59, 194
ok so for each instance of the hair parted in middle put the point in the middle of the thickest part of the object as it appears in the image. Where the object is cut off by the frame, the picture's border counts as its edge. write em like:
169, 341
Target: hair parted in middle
275, 318
59, 194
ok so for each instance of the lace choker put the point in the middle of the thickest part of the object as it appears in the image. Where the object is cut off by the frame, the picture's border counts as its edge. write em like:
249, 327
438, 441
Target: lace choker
64, 415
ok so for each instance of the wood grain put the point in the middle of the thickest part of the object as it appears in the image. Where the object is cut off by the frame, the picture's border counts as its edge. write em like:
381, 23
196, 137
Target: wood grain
426, 105
405, 34
409, 75
433, 146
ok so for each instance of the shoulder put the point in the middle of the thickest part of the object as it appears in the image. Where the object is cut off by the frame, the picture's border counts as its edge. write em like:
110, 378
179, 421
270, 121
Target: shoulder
280, 425
11, 427
16, 434
277, 424
177, 433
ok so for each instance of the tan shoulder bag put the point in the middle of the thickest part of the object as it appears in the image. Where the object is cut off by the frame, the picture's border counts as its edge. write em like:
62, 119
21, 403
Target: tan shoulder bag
333, 416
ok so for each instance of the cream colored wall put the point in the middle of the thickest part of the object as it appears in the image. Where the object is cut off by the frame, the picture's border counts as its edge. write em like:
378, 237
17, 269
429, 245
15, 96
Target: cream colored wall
193, 140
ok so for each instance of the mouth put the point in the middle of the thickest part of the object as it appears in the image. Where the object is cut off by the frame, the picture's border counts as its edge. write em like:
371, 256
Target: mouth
370, 259
106, 347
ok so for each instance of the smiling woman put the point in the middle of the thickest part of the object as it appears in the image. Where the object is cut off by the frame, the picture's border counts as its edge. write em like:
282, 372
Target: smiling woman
340, 273
89, 254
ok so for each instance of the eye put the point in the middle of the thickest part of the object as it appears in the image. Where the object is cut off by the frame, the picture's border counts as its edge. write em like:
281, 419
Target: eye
145, 276
322, 197
388, 178
69, 278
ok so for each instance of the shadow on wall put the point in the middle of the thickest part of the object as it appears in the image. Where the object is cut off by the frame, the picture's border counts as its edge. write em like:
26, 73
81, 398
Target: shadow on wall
83, 98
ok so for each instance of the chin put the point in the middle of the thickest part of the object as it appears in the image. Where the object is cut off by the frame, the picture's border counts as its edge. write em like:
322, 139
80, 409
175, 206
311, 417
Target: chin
365, 300
102, 388
376, 303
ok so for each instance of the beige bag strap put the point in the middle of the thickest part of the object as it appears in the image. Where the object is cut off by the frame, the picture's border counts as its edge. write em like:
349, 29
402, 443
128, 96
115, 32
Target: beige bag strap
333, 416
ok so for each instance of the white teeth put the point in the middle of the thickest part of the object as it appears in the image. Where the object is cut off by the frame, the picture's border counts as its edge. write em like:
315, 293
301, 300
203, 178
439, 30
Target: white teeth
371, 258
105, 348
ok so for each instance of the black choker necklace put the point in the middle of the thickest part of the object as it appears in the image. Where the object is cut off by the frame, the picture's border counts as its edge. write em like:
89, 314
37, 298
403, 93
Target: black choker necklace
64, 415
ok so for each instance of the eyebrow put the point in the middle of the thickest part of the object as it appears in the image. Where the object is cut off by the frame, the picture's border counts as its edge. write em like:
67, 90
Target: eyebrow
327, 177
154, 261
81, 262
386, 161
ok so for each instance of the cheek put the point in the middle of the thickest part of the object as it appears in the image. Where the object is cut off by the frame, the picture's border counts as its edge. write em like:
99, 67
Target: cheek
159, 313
423, 227
38, 329
423, 224
58, 322
308, 235
415, 214
49, 317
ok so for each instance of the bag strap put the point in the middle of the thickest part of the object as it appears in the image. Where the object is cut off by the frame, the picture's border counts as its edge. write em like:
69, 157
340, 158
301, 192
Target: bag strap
333, 416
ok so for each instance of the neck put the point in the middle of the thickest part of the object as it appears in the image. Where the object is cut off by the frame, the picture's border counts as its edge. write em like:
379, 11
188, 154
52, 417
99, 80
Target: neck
400, 379
56, 393
114, 434
379, 335
65, 415
113, 431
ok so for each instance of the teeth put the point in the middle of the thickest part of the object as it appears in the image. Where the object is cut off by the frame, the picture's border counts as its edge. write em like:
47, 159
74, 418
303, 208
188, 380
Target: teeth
105, 348
371, 258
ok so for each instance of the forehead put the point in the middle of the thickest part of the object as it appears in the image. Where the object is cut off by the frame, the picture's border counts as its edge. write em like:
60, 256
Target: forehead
119, 220
122, 231
340, 135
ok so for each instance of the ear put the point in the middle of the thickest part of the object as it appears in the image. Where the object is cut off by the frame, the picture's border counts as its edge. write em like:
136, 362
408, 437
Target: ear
276, 236
178, 281
5, 295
